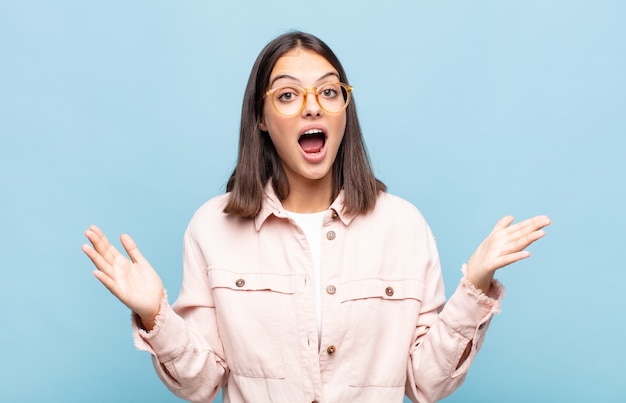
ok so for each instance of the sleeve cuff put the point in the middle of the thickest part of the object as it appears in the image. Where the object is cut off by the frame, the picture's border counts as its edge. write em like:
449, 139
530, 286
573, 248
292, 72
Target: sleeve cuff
469, 310
491, 300
168, 337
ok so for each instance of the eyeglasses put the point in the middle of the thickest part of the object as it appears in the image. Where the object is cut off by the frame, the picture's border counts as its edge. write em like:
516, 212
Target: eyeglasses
290, 99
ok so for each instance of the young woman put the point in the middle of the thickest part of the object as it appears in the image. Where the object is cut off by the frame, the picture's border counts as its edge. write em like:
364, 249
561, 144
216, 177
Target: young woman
306, 281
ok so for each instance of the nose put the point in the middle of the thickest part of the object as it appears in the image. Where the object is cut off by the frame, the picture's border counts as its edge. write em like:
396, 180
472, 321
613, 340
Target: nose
311, 104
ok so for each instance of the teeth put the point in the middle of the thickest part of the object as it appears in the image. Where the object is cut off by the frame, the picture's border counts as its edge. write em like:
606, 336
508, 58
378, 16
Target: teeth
314, 131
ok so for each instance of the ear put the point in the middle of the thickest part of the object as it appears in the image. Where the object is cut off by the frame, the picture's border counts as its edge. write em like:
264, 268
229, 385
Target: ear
262, 126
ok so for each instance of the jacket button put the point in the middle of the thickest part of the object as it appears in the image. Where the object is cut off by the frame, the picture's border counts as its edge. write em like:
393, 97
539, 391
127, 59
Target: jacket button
334, 215
240, 283
330, 235
389, 291
331, 350
331, 289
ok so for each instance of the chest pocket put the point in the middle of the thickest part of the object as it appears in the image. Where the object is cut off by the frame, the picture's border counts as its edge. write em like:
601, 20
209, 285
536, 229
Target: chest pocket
381, 288
256, 313
382, 315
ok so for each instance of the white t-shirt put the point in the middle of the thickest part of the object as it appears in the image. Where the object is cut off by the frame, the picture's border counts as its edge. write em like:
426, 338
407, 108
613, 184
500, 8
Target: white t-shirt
311, 224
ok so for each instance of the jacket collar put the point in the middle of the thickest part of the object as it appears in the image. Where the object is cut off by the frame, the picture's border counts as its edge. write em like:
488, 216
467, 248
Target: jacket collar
273, 206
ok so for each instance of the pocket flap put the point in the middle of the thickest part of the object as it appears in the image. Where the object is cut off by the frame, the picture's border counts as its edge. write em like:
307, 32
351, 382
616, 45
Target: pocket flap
381, 288
242, 281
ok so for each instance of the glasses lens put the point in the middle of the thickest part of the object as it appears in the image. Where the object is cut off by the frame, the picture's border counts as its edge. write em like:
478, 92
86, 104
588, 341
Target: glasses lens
288, 100
333, 97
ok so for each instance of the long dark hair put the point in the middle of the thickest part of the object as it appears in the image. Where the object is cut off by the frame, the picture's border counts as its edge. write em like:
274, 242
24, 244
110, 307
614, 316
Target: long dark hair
258, 161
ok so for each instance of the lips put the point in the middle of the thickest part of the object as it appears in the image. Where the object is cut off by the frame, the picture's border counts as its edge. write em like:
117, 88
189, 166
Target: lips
312, 141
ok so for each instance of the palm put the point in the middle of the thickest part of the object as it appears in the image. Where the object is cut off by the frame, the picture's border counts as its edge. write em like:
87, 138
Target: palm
506, 244
133, 281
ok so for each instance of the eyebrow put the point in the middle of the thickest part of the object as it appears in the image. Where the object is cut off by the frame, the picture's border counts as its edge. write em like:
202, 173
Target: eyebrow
329, 74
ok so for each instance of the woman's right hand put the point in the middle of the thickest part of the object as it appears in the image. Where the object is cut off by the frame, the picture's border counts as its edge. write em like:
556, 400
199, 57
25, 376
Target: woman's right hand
134, 282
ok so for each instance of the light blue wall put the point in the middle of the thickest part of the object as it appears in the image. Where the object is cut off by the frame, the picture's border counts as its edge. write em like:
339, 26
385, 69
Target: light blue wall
125, 114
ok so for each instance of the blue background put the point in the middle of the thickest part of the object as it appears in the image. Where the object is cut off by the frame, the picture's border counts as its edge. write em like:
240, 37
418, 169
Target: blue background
126, 114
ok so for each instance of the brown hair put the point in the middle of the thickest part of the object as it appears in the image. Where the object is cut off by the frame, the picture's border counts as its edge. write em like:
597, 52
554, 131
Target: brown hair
258, 161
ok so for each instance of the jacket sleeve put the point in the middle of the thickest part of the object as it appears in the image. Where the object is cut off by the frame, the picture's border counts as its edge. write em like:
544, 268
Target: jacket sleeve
185, 346
443, 332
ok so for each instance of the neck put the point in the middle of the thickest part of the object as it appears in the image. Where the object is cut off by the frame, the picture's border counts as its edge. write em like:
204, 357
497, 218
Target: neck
309, 196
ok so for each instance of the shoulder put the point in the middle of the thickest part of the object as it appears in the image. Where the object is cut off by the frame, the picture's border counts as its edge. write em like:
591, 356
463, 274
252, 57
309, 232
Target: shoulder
397, 208
211, 212
394, 215
398, 223
399, 217
214, 204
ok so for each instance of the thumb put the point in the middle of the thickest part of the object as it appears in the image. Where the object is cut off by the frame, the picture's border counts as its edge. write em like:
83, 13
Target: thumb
502, 223
131, 248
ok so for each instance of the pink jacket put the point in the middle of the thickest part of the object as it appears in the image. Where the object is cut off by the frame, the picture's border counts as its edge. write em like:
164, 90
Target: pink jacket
245, 318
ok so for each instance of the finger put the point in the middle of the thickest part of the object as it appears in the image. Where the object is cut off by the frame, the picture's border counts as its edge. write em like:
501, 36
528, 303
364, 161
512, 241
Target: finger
527, 227
541, 221
131, 248
532, 224
101, 244
525, 241
96, 258
511, 258
522, 229
502, 223
108, 282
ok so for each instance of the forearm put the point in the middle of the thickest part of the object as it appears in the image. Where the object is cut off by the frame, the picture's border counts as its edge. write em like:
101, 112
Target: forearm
443, 352
184, 359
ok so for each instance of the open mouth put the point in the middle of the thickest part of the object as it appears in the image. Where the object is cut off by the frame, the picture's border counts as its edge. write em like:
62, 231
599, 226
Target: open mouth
312, 141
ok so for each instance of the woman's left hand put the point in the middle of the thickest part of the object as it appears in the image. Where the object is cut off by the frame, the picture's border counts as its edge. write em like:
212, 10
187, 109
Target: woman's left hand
505, 244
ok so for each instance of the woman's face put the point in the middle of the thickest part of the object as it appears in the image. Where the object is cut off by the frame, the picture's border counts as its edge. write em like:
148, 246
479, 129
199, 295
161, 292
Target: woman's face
307, 143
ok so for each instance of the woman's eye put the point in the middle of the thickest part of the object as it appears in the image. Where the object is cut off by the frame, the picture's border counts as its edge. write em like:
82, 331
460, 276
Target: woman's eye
329, 92
287, 95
